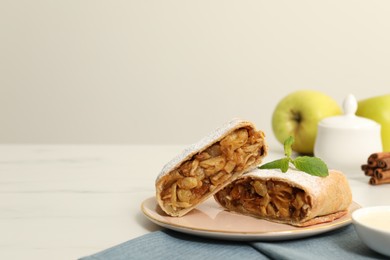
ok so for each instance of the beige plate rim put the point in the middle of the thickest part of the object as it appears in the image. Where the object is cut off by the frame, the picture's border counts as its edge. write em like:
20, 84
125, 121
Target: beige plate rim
211, 220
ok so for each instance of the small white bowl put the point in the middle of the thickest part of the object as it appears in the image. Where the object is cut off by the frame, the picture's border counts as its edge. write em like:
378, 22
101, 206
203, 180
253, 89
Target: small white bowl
373, 227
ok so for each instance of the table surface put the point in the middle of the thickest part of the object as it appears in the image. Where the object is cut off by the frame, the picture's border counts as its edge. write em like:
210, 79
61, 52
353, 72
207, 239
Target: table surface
68, 201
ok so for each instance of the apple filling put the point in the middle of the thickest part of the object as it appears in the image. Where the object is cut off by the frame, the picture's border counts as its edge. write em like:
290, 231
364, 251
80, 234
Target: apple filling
267, 199
209, 169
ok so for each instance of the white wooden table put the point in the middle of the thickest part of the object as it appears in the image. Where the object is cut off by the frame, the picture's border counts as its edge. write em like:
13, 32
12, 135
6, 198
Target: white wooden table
68, 201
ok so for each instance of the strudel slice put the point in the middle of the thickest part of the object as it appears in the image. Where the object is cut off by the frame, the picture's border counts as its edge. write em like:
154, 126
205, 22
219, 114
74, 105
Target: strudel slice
294, 197
207, 166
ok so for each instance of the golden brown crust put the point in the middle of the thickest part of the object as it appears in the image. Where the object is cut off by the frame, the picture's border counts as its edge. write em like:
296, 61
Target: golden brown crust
294, 198
323, 219
207, 166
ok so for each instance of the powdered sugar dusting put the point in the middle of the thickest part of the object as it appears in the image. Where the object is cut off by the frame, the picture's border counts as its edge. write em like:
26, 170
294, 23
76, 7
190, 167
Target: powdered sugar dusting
204, 143
296, 178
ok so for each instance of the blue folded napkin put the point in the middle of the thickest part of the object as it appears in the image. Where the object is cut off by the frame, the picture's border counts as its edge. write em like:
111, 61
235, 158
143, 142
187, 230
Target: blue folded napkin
167, 244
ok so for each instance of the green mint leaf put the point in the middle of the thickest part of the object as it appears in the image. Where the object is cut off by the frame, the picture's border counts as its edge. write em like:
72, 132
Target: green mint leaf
277, 164
287, 146
285, 164
311, 165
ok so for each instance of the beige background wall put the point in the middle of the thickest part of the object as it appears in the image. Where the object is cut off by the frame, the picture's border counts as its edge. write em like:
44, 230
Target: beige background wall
170, 71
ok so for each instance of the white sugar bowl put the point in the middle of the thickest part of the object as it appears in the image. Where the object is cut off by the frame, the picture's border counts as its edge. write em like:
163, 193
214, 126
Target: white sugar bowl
345, 142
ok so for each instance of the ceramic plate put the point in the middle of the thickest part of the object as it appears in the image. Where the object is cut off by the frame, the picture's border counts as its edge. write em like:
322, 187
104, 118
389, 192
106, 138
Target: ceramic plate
210, 220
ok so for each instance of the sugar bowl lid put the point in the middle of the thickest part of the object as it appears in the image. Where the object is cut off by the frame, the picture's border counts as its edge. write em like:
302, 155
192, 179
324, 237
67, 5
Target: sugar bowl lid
348, 120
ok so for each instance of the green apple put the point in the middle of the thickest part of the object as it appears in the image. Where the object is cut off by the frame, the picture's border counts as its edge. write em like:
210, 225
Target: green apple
298, 115
378, 109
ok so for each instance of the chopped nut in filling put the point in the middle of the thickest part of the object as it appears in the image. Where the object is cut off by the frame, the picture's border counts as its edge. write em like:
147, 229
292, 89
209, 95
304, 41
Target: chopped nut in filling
265, 199
208, 169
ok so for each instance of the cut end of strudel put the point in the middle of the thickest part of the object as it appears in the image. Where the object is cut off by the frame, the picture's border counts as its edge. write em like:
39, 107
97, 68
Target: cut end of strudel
294, 197
207, 166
